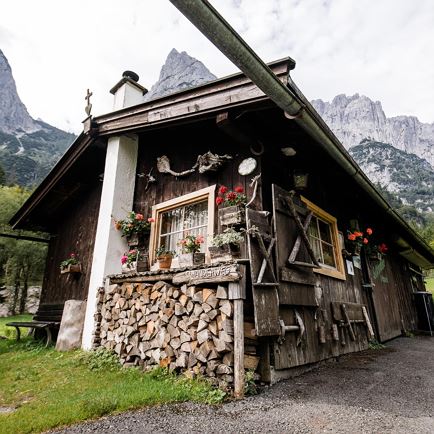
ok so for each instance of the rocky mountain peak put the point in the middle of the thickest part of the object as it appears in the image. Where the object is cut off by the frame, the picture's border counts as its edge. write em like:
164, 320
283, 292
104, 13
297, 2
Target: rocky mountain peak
355, 118
13, 113
180, 71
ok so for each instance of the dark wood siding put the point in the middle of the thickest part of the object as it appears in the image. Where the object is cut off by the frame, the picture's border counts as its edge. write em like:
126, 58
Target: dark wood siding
75, 233
183, 145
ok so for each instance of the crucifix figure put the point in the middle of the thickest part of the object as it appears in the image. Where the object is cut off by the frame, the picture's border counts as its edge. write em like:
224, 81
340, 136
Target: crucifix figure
88, 107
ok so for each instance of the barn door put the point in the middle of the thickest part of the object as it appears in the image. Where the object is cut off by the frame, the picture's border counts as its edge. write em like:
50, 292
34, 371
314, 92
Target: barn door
385, 296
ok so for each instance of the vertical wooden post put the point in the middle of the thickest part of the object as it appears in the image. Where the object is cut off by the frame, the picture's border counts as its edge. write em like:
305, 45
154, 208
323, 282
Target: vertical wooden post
238, 348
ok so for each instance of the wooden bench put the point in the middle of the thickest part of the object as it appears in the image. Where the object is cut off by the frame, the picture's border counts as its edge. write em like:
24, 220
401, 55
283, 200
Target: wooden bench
47, 318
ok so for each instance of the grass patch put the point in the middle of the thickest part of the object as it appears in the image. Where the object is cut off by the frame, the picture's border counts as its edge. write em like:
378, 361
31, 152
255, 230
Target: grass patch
51, 389
10, 332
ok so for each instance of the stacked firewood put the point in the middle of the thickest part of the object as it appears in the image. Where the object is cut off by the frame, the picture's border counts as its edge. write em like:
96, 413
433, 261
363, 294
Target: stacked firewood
187, 328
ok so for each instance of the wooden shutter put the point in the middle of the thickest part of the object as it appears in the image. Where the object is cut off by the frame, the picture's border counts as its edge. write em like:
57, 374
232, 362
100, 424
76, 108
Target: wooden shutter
260, 243
296, 278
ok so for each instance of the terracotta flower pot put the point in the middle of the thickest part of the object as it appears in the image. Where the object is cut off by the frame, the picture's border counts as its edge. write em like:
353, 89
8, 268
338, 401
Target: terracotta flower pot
164, 262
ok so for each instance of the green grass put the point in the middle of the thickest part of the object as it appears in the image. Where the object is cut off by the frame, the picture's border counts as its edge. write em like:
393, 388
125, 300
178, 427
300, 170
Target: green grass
49, 389
10, 331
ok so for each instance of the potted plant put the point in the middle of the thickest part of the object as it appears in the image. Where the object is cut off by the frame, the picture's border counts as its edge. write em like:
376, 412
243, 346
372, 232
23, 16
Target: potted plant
164, 257
231, 202
378, 252
70, 265
134, 260
356, 239
190, 246
135, 228
226, 246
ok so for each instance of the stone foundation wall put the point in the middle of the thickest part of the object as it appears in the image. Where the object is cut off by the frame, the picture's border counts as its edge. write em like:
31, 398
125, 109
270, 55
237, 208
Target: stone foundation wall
186, 328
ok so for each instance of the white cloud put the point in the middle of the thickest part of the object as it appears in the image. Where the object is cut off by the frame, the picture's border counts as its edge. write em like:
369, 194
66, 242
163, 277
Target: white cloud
59, 49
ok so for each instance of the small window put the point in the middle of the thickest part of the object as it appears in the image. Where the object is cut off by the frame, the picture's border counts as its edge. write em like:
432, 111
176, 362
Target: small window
191, 214
324, 239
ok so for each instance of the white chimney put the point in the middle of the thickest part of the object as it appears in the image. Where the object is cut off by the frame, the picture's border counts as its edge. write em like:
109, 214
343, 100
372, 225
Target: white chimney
128, 91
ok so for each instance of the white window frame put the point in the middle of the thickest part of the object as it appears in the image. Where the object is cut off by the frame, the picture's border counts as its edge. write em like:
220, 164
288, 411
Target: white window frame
337, 272
207, 193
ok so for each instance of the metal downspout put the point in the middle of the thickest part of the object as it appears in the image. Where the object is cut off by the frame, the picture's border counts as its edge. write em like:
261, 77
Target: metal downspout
207, 19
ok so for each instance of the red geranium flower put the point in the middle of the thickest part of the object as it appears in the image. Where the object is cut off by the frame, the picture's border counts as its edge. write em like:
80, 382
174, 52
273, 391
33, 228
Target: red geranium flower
369, 231
219, 200
139, 217
239, 189
151, 220
352, 237
223, 189
365, 241
231, 196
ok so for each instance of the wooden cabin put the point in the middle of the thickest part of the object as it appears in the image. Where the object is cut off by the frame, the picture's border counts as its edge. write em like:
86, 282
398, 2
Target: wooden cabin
299, 293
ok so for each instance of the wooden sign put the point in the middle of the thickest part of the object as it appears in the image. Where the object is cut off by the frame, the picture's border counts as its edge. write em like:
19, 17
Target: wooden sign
224, 273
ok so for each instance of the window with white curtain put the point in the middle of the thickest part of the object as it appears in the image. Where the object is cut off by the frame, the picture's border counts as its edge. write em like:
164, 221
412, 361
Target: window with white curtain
175, 224
191, 214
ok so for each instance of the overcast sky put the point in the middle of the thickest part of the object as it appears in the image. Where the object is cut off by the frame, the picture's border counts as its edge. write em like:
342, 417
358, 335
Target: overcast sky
57, 49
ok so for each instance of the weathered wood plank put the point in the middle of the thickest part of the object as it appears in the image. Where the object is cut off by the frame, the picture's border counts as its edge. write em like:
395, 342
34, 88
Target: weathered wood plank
224, 273
354, 311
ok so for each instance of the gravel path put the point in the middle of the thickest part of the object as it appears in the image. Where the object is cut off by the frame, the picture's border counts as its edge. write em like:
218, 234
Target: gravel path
386, 391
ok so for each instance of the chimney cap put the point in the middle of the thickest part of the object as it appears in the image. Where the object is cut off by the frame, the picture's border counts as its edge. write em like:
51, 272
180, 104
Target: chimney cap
128, 77
131, 74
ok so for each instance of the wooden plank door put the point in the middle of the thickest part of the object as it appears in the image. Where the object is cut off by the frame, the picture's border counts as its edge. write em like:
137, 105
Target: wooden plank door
385, 297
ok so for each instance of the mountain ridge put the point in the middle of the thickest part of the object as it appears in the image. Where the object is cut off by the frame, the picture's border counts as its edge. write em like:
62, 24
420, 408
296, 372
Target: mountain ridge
356, 117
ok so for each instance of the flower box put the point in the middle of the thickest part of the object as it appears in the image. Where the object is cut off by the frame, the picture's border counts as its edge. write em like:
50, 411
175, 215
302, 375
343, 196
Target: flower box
232, 215
224, 253
191, 259
71, 268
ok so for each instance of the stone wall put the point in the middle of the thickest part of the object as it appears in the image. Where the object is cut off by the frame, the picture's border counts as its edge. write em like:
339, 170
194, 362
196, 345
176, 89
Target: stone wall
187, 328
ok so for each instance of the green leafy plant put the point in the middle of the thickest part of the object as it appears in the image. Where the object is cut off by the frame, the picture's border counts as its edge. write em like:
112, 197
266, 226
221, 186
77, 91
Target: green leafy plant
134, 223
163, 251
375, 345
191, 243
72, 260
100, 359
229, 236
250, 387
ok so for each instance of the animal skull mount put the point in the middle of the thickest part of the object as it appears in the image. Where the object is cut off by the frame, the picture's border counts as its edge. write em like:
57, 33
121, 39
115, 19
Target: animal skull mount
207, 162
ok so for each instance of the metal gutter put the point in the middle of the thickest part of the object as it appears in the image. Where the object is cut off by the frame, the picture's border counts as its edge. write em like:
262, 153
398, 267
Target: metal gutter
203, 15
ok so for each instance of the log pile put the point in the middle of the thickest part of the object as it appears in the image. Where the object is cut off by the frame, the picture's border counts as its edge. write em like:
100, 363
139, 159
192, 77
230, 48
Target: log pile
187, 328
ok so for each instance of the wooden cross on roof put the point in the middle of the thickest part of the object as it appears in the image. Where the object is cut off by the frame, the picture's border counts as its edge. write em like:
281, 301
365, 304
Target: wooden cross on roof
88, 107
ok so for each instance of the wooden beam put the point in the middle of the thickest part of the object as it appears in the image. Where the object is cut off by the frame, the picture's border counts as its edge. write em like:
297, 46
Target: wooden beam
239, 375
25, 237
